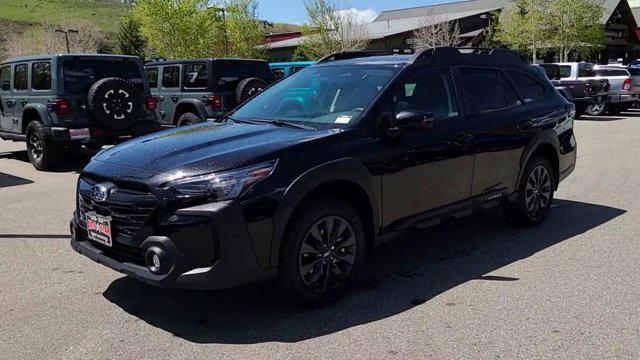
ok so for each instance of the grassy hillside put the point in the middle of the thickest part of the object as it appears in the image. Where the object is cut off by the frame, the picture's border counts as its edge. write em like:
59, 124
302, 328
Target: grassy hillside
104, 13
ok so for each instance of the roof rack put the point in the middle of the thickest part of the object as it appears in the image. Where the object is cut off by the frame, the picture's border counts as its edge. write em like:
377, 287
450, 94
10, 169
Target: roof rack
469, 55
346, 55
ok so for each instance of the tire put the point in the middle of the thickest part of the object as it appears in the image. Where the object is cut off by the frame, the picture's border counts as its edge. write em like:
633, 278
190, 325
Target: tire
248, 88
44, 154
114, 103
596, 109
188, 119
522, 211
303, 253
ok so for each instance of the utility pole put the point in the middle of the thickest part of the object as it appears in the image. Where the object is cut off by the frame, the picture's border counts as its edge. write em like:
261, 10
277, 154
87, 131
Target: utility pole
66, 36
224, 26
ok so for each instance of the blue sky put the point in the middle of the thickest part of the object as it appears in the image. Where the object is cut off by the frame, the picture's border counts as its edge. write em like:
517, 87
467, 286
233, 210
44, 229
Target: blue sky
292, 11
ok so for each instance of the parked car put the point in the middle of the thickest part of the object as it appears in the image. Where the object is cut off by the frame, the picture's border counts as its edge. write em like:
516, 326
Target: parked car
283, 69
55, 102
190, 91
623, 88
583, 93
299, 184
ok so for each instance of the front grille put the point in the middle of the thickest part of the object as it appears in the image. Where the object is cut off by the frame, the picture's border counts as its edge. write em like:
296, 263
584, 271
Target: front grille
130, 209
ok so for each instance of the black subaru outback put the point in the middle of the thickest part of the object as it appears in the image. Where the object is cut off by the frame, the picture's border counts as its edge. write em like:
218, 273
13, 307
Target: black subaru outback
302, 180
54, 102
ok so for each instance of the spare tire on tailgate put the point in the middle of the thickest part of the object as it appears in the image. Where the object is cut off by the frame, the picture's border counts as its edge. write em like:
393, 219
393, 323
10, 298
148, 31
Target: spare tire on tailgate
248, 88
115, 103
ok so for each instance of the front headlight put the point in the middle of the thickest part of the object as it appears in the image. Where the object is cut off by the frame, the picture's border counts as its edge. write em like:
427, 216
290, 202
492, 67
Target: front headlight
225, 185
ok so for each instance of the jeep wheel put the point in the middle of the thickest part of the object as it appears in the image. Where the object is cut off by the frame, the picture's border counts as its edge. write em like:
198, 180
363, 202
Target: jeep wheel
248, 88
323, 251
535, 195
44, 154
596, 109
115, 103
188, 119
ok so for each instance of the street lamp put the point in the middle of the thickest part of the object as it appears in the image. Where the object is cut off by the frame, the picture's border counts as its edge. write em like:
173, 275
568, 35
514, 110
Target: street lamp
216, 9
66, 36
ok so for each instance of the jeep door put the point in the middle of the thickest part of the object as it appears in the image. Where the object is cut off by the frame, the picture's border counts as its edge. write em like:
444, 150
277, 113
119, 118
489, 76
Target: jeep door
20, 92
169, 93
428, 167
503, 124
6, 99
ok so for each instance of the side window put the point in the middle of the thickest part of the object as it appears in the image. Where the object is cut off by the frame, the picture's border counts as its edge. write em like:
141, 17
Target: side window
482, 90
509, 92
195, 76
152, 77
565, 71
5, 78
41, 76
528, 86
278, 73
171, 77
428, 90
20, 77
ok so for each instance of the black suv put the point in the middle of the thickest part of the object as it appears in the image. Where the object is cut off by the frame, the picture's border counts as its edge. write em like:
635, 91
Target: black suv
302, 179
55, 102
193, 90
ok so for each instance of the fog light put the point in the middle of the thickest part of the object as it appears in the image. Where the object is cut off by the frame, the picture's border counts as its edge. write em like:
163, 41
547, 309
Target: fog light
155, 259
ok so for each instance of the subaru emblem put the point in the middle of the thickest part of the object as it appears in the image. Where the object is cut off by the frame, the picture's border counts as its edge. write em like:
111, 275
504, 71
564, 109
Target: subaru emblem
100, 192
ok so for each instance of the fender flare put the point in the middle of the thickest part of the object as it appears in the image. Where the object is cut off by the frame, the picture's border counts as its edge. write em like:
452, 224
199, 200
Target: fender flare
41, 110
195, 103
345, 169
543, 138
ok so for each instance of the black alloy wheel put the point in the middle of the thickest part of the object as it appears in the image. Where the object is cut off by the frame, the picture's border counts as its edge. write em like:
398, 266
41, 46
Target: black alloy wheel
538, 191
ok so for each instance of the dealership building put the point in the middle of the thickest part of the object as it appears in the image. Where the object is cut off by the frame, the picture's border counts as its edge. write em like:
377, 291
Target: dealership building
392, 29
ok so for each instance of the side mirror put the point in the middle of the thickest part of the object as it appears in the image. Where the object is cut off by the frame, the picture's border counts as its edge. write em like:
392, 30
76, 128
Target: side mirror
414, 119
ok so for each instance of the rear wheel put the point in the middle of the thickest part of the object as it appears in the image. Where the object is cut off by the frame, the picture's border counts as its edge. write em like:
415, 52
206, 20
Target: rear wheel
44, 154
323, 251
596, 109
188, 119
535, 194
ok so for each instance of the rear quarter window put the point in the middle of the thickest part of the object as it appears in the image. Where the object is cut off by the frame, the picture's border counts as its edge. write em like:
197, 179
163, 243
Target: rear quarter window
41, 75
196, 76
529, 87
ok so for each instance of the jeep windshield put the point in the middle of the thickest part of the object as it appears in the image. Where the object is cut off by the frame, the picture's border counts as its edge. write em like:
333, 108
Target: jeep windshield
80, 74
320, 95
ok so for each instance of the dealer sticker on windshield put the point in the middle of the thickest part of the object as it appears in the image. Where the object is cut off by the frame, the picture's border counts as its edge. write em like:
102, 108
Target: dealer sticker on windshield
343, 119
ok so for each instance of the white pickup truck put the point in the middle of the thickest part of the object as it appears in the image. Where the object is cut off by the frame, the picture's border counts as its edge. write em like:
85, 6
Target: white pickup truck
624, 88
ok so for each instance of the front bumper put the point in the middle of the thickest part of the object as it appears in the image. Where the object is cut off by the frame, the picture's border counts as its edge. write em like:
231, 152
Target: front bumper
181, 261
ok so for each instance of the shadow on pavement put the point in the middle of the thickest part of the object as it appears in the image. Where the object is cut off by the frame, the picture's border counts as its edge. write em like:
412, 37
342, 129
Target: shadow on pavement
7, 180
400, 275
73, 160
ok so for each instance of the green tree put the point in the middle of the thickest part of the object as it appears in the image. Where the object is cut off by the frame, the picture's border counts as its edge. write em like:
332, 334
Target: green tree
129, 39
245, 32
524, 26
577, 26
328, 31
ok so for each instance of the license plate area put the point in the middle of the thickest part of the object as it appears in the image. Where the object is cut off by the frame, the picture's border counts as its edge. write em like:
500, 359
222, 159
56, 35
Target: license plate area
99, 228
79, 134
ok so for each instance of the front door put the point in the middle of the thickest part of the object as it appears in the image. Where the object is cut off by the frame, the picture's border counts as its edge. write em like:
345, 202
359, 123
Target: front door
6, 100
426, 168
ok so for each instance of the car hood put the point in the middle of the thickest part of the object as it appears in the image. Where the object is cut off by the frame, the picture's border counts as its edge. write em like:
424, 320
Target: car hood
206, 147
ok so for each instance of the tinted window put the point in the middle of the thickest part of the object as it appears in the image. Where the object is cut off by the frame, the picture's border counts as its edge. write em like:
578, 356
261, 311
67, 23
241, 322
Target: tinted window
171, 76
634, 71
278, 73
80, 74
529, 87
5, 78
152, 77
428, 90
41, 76
20, 77
565, 70
195, 76
231, 72
552, 71
585, 71
611, 72
482, 90
509, 93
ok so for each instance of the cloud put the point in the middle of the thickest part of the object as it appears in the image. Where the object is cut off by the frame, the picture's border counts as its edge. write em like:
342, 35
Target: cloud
360, 16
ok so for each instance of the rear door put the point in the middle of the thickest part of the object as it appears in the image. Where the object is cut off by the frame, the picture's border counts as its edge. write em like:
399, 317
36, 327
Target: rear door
169, 93
6, 99
503, 124
20, 91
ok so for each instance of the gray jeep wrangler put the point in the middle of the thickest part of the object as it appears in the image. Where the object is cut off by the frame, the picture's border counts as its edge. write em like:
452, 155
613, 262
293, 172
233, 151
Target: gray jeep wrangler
192, 90
59, 102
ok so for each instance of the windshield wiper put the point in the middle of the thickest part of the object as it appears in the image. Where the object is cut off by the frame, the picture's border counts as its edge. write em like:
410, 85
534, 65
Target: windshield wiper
289, 124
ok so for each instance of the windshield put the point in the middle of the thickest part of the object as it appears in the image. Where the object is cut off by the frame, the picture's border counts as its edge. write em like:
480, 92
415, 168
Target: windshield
80, 74
321, 95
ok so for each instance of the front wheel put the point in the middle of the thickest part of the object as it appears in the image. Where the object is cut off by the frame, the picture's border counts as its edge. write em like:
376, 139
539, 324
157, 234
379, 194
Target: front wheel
323, 251
44, 154
535, 194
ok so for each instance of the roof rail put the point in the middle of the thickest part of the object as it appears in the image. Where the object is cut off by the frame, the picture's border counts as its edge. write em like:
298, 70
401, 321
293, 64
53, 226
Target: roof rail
346, 55
462, 53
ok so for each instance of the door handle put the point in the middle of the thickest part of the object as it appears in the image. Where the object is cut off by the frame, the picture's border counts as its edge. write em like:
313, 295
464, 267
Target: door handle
174, 98
465, 137
526, 124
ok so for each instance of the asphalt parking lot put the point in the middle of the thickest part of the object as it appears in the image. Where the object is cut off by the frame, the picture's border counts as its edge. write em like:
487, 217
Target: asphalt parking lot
470, 288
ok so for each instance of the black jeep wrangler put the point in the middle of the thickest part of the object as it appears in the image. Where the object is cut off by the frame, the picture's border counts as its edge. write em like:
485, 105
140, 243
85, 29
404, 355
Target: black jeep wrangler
55, 102
298, 182
189, 91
